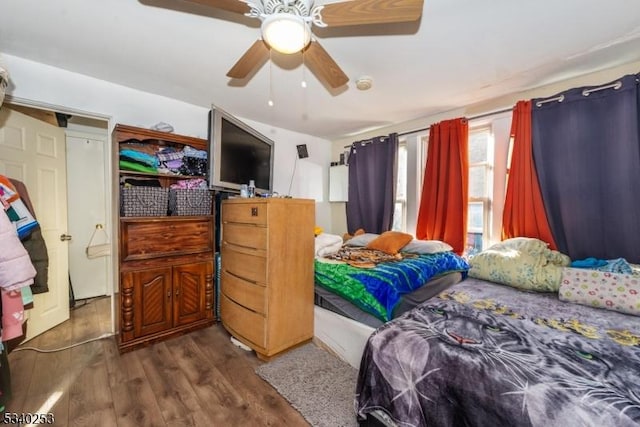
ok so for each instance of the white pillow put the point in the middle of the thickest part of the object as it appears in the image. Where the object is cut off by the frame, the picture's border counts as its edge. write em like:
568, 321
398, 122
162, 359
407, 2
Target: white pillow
425, 247
361, 239
602, 289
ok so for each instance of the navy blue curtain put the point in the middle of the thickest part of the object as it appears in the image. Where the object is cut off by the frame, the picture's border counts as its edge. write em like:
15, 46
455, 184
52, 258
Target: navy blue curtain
586, 145
373, 168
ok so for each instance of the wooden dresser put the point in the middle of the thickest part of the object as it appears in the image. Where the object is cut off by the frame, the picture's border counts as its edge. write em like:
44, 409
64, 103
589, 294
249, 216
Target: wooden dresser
267, 272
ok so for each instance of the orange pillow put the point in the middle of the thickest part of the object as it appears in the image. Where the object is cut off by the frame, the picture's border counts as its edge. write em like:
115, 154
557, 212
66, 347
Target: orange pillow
390, 242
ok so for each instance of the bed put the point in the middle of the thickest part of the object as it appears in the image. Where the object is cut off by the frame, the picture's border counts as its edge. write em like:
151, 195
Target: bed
343, 328
484, 353
346, 309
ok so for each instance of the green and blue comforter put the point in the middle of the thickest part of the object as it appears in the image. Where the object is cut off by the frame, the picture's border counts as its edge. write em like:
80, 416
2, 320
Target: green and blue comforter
378, 290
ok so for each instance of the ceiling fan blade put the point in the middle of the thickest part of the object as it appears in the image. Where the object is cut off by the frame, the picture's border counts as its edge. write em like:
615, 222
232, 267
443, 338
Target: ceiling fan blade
359, 12
251, 61
323, 66
230, 5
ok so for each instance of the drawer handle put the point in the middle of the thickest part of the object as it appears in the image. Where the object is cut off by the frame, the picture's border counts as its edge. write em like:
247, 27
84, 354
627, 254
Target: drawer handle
254, 211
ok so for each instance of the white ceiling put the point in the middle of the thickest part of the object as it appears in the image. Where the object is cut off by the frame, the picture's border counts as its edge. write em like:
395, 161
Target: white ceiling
461, 52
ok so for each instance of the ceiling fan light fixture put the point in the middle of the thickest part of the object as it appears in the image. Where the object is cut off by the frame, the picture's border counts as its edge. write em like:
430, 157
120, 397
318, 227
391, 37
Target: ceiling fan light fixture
286, 33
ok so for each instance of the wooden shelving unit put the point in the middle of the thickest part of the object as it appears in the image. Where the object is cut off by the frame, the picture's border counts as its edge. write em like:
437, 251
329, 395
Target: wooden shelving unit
165, 263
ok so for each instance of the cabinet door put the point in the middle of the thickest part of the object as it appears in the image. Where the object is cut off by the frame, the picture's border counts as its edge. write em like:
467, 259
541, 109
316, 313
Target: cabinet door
152, 301
189, 288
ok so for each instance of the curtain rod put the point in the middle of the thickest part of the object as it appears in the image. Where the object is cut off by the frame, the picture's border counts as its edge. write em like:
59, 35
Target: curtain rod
479, 116
555, 98
616, 85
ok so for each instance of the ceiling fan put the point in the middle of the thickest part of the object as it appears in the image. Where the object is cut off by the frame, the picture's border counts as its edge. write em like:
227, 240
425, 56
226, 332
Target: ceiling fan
286, 28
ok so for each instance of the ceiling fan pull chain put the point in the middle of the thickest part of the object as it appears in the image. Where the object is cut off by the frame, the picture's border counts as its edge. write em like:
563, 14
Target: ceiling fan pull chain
270, 102
304, 77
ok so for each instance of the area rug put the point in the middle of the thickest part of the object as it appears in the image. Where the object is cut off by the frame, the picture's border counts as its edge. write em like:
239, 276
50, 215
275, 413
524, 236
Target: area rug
318, 384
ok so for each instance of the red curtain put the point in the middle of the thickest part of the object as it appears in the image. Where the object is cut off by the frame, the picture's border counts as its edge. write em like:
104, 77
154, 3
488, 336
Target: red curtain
443, 206
524, 214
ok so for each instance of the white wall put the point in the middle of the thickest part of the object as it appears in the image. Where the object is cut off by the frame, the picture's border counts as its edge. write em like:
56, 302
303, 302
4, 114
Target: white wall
45, 85
307, 178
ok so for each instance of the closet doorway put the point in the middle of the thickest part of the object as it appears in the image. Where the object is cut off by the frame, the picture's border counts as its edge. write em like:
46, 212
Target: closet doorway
74, 280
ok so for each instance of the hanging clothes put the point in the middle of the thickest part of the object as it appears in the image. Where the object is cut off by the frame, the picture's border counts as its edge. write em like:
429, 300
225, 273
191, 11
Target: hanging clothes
16, 272
15, 208
12, 314
35, 245
16, 269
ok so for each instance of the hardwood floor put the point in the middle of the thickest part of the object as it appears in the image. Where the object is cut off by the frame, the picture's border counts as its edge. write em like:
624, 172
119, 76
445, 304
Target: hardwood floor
198, 379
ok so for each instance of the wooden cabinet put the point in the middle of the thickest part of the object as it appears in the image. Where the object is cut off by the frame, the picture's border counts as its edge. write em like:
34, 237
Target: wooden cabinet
162, 301
267, 272
165, 263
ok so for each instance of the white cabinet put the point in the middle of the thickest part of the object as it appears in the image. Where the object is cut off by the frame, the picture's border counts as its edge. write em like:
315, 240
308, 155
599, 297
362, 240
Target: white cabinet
339, 183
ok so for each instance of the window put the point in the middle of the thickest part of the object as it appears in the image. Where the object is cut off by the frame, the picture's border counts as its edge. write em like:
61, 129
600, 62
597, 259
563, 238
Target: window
400, 209
488, 149
480, 186
412, 157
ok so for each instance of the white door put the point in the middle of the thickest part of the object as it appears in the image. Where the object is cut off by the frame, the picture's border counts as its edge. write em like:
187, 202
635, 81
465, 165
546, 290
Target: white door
87, 203
34, 152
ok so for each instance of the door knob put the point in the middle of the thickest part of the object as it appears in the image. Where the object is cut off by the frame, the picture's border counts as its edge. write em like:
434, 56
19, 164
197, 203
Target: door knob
64, 237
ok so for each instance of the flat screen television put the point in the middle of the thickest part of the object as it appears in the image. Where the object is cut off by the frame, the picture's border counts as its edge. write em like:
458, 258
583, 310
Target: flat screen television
238, 154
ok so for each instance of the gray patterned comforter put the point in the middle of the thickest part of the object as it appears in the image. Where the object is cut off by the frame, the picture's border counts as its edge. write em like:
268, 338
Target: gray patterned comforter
483, 354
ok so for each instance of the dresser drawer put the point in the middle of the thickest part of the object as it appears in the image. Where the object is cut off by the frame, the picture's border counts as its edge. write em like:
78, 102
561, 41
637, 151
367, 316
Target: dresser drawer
248, 236
249, 212
248, 294
250, 267
163, 237
246, 323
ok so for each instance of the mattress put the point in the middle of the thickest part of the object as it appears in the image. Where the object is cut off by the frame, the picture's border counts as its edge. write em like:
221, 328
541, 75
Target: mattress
332, 302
